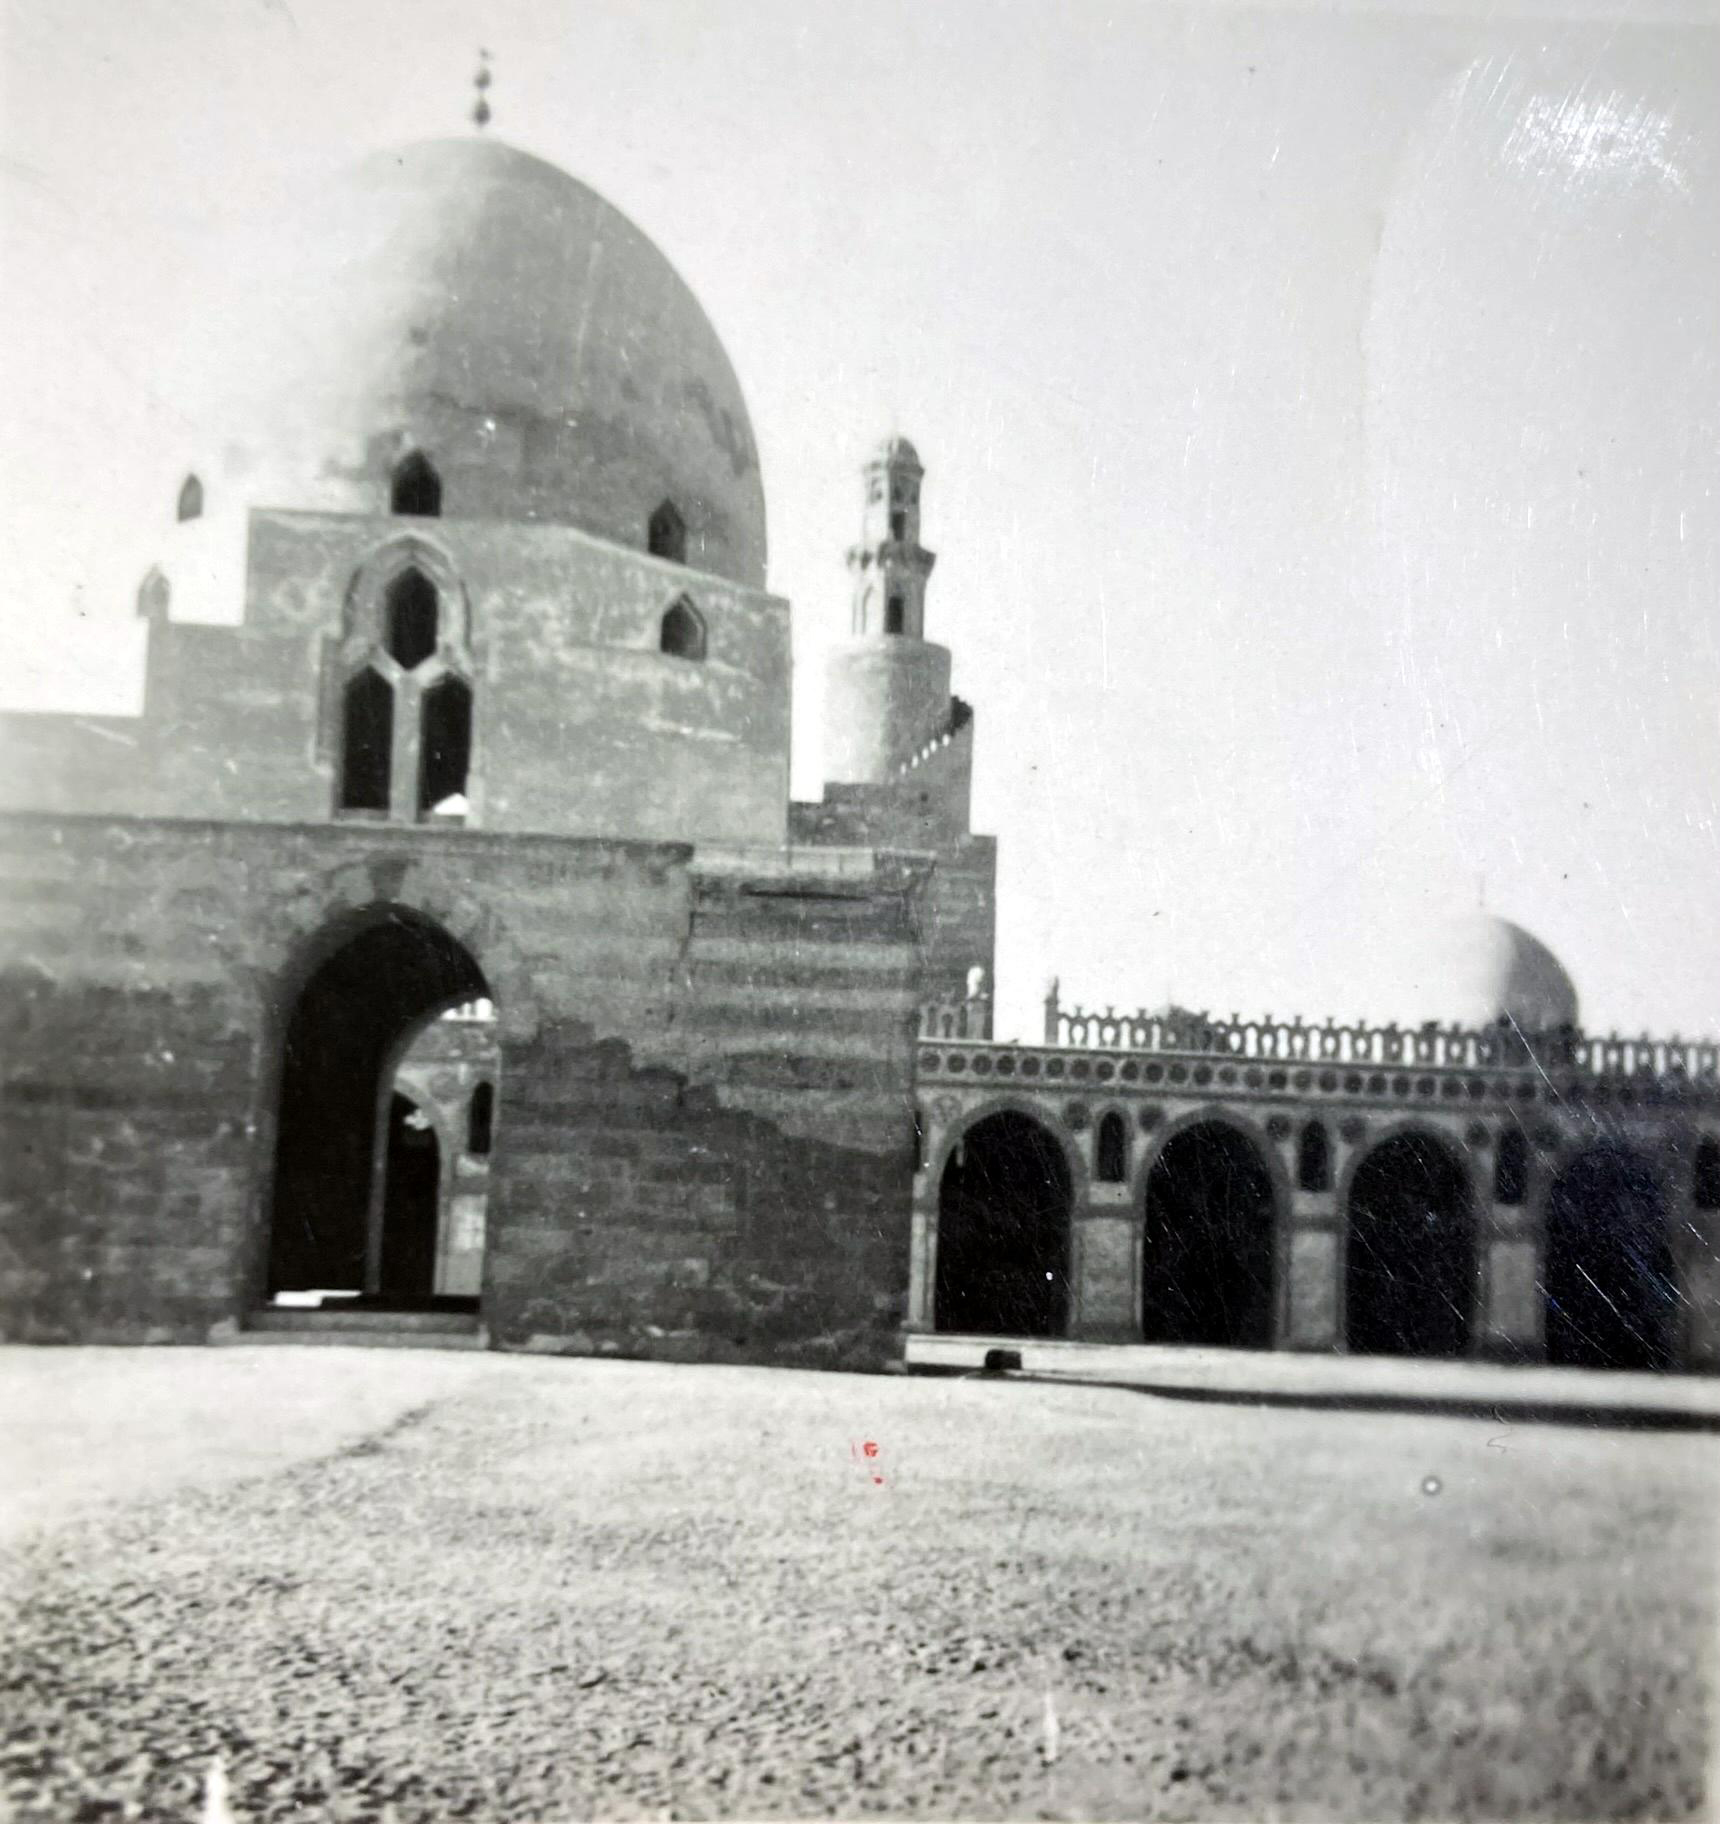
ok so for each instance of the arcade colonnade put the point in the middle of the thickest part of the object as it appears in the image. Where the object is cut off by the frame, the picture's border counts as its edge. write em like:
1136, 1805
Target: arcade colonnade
1454, 1214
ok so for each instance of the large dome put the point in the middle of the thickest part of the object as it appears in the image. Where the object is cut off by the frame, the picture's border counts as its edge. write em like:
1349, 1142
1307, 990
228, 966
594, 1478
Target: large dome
1483, 969
470, 301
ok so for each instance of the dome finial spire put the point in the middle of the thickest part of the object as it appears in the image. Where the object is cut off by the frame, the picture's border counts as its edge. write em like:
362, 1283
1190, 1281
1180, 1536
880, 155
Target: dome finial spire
481, 82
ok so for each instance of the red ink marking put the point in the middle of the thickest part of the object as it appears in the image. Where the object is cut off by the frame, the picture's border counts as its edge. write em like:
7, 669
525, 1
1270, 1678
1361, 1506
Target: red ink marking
870, 1448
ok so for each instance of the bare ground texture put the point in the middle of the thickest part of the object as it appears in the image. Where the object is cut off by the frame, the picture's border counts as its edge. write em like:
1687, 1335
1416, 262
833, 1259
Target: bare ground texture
429, 1586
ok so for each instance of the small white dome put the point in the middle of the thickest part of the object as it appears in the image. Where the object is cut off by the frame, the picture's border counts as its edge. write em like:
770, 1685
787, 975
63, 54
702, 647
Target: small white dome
1485, 969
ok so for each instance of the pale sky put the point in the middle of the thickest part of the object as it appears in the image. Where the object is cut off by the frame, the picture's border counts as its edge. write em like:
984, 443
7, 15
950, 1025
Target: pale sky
1320, 410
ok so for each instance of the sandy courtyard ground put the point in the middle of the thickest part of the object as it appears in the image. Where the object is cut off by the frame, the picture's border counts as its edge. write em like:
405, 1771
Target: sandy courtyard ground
429, 1586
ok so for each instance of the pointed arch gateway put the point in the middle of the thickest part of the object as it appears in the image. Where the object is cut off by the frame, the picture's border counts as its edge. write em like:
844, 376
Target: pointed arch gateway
342, 1217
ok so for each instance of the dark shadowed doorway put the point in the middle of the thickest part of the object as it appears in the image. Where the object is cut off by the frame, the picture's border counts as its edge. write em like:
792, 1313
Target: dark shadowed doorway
1206, 1268
1409, 1273
1003, 1231
411, 1202
1611, 1294
378, 978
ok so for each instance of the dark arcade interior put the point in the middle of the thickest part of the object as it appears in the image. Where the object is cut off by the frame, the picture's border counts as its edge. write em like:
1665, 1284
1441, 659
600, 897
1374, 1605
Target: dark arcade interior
1409, 1272
1206, 1273
1003, 1232
392, 973
1610, 1288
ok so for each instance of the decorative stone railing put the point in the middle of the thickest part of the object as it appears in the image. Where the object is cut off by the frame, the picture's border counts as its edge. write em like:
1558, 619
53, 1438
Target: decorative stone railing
1431, 1046
965, 1016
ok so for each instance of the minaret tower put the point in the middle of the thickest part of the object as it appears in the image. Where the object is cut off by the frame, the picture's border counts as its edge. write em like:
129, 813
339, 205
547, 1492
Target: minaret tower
887, 689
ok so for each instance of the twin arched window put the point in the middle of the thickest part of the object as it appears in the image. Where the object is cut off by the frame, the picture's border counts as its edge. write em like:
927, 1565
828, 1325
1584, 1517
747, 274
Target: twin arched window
408, 635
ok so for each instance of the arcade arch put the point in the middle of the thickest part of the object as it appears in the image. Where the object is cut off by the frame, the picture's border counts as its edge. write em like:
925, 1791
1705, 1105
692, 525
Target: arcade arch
1409, 1265
1209, 1240
1004, 1207
1607, 1273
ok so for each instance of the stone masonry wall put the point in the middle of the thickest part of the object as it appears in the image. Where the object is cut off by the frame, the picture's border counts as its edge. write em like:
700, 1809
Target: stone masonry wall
703, 1139
581, 726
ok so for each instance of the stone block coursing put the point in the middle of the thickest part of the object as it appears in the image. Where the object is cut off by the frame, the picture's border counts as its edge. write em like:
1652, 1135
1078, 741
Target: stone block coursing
678, 1169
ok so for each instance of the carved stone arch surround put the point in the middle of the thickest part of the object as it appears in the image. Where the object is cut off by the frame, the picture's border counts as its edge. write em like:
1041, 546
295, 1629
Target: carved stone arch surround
361, 606
1073, 1152
307, 922
362, 645
323, 910
1220, 1114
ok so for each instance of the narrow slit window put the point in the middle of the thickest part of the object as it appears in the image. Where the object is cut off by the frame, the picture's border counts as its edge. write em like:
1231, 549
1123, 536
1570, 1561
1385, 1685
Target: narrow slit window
412, 617
1511, 1167
898, 525
191, 499
1314, 1159
480, 1120
1113, 1149
895, 614
1706, 1189
417, 488
367, 742
666, 536
683, 633
446, 749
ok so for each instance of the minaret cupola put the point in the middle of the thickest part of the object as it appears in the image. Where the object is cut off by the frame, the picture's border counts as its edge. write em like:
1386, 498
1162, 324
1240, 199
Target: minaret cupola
887, 687
890, 565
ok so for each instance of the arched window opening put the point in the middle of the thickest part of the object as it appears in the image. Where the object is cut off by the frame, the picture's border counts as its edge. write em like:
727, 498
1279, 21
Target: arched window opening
154, 596
367, 742
683, 633
411, 607
191, 499
446, 749
417, 489
1706, 1188
898, 524
1113, 1149
1314, 1159
1511, 1168
480, 1120
895, 614
666, 536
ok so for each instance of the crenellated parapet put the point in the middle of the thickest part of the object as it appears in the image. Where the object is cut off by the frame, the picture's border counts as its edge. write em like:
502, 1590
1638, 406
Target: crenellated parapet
1432, 1045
